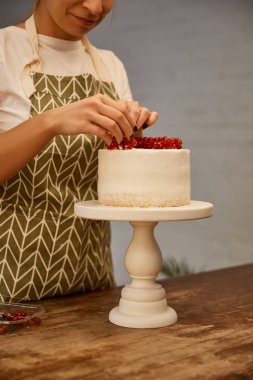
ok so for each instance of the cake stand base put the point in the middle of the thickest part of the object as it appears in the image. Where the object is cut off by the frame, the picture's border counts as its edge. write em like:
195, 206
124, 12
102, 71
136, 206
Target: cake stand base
168, 317
143, 302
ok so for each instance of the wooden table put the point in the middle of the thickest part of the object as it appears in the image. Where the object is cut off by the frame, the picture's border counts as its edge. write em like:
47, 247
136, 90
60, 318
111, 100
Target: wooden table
213, 338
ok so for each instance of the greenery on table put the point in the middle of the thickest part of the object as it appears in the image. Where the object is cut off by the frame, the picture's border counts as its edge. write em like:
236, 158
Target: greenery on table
172, 268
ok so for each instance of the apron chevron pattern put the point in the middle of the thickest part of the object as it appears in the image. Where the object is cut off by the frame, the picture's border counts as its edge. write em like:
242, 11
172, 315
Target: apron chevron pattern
45, 250
54, 91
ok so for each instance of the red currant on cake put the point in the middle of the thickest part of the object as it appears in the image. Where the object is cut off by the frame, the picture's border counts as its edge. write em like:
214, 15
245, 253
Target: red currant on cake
163, 142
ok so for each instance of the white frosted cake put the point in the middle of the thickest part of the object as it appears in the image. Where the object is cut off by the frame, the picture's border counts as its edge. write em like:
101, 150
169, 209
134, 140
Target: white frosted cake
144, 177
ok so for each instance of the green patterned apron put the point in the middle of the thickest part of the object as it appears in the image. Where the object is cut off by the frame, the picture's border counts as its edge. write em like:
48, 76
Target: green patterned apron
45, 250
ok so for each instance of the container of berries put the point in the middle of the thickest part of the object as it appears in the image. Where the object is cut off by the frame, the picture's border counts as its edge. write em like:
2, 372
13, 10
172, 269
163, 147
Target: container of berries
17, 316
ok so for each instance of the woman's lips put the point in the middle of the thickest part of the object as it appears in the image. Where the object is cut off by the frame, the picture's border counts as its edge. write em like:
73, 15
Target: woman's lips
86, 22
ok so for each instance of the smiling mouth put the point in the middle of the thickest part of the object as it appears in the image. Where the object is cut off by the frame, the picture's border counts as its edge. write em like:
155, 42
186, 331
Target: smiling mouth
86, 22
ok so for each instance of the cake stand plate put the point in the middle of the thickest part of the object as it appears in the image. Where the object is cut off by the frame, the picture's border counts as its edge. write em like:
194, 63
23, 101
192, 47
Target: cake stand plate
94, 210
143, 303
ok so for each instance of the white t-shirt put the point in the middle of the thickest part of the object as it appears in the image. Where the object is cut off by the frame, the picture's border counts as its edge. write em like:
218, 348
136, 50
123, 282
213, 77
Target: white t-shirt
58, 57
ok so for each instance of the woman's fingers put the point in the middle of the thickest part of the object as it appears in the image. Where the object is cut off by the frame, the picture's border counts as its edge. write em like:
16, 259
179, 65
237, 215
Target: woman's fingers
119, 111
134, 110
146, 118
102, 116
116, 117
152, 118
110, 126
127, 115
142, 115
100, 132
125, 107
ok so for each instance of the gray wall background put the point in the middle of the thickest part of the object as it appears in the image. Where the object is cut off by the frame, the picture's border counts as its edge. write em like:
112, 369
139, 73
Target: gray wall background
192, 61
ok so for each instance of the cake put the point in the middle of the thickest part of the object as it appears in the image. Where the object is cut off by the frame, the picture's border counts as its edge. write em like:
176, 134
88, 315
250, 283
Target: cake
150, 174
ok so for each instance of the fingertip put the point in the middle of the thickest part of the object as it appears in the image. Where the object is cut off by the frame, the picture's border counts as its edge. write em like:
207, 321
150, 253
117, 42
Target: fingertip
108, 140
156, 115
153, 117
119, 139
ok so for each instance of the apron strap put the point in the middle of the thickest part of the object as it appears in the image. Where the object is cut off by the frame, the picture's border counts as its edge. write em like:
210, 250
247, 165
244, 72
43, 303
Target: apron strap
99, 66
34, 63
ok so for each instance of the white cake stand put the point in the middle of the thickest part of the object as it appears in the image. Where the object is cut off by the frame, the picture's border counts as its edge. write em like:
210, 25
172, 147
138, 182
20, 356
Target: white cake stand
143, 303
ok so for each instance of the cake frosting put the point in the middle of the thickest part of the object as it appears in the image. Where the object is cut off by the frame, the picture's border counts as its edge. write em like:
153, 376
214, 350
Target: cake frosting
144, 177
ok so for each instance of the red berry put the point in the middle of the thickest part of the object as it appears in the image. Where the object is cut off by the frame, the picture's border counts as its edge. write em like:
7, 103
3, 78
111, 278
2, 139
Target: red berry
3, 330
162, 142
35, 321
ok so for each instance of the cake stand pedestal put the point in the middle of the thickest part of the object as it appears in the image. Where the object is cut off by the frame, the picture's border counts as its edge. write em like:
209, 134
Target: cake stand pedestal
143, 303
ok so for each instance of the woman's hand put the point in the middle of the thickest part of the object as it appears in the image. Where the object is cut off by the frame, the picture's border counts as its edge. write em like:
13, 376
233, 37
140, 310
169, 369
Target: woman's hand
98, 115
141, 115
101, 116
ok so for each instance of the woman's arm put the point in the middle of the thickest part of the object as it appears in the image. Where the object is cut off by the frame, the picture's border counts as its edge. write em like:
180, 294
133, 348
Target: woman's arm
20, 144
98, 115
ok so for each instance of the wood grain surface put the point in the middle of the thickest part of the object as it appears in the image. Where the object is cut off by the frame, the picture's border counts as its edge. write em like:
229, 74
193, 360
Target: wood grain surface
213, 338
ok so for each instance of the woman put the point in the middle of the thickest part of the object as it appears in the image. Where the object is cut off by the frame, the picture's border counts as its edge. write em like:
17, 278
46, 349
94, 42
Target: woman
61, 99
